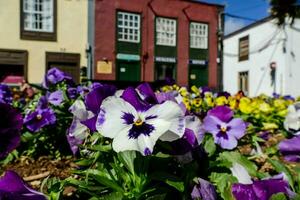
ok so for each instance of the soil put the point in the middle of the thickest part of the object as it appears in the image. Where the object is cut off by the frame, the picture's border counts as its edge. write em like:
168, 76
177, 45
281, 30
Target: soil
34, 171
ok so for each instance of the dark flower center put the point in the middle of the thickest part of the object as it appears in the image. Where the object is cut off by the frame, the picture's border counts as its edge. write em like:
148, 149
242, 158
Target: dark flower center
141, 128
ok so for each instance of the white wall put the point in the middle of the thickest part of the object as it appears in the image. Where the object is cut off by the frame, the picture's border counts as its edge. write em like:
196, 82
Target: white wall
266, 43
293, 59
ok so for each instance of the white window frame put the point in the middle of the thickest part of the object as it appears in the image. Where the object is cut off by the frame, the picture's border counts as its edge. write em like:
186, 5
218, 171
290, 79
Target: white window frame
166, 30
41, 19
198, 35
130, 26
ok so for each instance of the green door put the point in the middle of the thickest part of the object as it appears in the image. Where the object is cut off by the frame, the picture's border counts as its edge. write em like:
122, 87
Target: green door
198, 75
164, 71
128, 71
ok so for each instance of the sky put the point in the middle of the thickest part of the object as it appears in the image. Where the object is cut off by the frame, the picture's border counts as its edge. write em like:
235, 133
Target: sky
254, 9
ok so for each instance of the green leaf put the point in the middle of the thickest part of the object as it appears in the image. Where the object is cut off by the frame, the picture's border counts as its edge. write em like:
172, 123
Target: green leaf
223, 182
169, 179
279, 167
227, 159
127, 159
103, 179
112, 196
278, 196
157, 197
209, 145
176, 184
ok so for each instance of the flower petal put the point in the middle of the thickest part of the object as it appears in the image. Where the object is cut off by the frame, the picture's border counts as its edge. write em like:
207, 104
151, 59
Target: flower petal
131, 96
210, 124
109, 121
170, 112
237, 128
223, 113
122, 142
226, 143
13, 187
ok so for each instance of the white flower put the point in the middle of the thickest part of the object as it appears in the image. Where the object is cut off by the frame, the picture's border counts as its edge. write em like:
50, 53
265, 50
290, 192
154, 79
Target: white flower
135, 129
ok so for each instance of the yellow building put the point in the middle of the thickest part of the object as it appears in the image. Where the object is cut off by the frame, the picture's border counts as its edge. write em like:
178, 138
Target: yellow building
36, 35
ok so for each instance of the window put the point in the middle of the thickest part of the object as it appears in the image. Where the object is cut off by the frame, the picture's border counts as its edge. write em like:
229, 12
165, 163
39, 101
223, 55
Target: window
38, 15
243, 82
244, 48
165, 31
129, 27
198, 35
38, 19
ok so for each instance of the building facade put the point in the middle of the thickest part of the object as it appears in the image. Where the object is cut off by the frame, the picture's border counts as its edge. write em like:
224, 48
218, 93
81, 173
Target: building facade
262, 58
36, 35
149, 40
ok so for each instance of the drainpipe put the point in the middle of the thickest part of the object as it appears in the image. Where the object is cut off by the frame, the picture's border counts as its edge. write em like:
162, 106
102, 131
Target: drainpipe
220, 35
91, 39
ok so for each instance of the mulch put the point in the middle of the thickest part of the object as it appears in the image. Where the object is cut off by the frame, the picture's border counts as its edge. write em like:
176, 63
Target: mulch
35, 171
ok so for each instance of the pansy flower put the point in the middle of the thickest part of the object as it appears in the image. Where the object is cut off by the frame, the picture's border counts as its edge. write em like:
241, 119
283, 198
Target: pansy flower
256, 189
93, 102
10, 127
203, 190
136, 125
290, 148
193, 136
12, 187
5, 94
39, 118
292, 119
56, 98
55, 76
225, 129
78, 132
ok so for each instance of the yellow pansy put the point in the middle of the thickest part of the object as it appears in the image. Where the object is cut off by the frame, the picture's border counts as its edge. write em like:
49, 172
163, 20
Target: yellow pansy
269, 126
195, 90
220, 101
245, 105
264, 107
197, 102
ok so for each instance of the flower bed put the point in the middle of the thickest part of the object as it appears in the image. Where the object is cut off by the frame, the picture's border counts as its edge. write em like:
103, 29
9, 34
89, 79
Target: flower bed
93, 141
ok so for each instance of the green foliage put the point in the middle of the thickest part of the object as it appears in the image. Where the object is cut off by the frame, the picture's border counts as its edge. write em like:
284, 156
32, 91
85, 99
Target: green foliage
223, 183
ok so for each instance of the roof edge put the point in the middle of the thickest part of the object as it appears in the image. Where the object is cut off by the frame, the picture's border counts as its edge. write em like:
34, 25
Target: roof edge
205, 3
261, 21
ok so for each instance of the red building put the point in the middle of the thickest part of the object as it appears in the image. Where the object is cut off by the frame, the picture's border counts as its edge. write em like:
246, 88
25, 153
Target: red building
148, 40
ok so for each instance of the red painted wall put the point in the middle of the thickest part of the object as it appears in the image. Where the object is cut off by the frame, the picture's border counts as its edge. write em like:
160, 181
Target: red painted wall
105, 33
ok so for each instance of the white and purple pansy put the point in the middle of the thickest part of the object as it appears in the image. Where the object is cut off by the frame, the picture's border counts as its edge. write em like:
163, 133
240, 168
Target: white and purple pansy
78, 132
225, 129
136, 125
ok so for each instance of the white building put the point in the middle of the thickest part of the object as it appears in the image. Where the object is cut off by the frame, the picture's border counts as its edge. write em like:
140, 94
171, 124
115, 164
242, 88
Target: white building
250, 52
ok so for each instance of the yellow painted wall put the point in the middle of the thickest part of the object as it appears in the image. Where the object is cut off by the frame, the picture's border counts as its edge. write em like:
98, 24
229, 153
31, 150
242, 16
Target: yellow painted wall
72, 26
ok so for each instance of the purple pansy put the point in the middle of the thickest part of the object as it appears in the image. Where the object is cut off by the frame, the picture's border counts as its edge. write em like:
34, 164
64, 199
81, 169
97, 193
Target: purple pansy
56, 98
290, 148
73, 92
10, 127
136, 125
93, 102
225, 129
39, 118
5, 94
203, 190
55, 76
12, 187
257, 189
193, 136
225, 94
